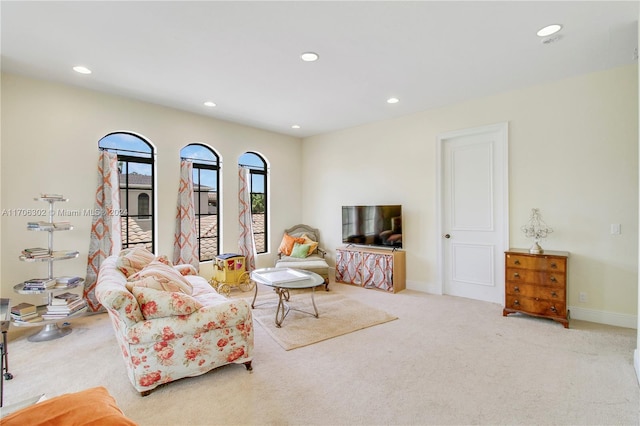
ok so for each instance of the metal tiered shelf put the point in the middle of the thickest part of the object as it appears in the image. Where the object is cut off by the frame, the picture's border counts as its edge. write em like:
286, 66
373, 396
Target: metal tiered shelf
50, 330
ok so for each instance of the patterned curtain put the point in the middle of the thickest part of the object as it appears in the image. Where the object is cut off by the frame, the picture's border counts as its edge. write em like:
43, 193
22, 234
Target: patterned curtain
246, 243
106, 237
185, 243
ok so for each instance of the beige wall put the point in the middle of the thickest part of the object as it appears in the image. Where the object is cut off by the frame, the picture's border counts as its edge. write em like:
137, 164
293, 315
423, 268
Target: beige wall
573, 153
573, 148
49, 144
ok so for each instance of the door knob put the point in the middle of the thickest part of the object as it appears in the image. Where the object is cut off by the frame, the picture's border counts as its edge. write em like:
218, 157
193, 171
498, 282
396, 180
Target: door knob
447, 236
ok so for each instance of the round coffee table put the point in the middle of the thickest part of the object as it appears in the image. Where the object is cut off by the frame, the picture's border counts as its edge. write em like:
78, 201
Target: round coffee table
282, 280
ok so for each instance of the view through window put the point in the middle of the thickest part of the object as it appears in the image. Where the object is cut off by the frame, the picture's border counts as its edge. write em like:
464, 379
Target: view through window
258, 173
136, 175
205, 197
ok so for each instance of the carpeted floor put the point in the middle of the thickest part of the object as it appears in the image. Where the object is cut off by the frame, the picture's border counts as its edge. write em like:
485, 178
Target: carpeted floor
444, 361
337, 315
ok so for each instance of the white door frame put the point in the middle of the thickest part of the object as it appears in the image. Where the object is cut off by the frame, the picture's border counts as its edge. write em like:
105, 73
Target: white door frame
503, 130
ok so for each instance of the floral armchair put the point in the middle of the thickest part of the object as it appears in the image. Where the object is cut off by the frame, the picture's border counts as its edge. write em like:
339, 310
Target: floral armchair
166, 334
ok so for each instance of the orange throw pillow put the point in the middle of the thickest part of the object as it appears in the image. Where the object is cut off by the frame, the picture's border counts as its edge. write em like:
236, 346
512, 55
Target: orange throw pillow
94, 406
287, 244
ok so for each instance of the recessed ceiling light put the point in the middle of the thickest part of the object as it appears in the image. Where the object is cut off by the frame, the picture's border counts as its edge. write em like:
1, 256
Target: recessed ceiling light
210, 104
548, 30
295, 126
309, 56
82, 70
393, 100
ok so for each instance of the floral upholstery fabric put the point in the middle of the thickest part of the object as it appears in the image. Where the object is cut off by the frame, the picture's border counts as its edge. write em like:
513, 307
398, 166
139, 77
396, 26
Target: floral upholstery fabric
159, 303
133, 260
168, 348
159, 276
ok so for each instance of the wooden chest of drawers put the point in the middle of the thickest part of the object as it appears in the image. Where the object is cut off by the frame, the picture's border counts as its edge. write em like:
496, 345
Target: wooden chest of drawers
536, 284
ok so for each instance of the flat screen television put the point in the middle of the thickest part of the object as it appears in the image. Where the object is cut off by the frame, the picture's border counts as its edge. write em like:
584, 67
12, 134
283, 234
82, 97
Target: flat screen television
379, 225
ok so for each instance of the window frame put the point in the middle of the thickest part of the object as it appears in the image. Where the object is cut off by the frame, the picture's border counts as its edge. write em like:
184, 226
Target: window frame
198, 165
126, 157
255, 171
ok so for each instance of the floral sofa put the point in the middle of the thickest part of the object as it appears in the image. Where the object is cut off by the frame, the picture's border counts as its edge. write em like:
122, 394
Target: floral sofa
168, 321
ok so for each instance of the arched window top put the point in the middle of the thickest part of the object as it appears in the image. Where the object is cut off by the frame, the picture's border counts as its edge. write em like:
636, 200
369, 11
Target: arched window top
199, 153
253, 161
126, 144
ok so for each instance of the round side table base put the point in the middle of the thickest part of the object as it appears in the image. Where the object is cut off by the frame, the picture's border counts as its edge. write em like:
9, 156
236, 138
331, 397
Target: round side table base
49, 332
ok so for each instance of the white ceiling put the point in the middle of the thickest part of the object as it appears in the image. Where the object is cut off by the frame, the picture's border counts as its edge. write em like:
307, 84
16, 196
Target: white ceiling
244, 55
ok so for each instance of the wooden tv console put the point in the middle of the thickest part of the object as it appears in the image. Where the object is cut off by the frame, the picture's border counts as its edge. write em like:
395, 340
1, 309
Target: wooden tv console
371, 268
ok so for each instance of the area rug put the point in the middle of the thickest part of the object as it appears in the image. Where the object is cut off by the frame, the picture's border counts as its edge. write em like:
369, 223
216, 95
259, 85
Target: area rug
338, 315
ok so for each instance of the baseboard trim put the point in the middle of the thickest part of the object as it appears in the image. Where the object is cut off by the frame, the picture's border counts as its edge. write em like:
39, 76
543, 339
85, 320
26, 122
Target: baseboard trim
603, 317
576, 312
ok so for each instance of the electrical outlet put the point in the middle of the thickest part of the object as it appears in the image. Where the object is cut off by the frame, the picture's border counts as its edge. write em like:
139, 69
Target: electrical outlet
582, 297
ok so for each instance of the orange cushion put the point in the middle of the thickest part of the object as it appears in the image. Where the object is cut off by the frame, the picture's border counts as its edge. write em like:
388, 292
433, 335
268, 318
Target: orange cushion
286, 245
94, 406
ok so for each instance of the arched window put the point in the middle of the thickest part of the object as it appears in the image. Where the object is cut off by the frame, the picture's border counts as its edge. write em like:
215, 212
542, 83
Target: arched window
206, 175
136, 166
259, 200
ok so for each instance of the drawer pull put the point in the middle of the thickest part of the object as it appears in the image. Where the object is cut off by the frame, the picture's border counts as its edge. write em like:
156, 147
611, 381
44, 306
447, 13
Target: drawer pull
553, 309
516, 275
553, 279
553, 265
516, 303
554, 294
516, 289
516, 262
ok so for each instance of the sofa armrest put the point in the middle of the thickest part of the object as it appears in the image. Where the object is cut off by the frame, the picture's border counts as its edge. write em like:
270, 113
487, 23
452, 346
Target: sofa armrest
227, 313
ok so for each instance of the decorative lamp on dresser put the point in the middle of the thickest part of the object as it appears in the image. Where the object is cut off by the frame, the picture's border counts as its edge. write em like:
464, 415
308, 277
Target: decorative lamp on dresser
536, 284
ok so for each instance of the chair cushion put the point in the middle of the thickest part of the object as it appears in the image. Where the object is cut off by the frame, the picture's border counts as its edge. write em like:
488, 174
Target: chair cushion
300, 251
313, 244
286, 245
317, 265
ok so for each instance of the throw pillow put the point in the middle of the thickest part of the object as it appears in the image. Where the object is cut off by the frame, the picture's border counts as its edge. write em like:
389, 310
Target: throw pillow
163, 277
313, 245
286, 245
160, 304
133, 260
91, 406
156, 283
300, 250
164, 259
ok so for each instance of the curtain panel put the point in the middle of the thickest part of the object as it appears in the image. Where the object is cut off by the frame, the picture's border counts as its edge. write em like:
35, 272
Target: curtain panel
246, 242
185, 245
106, 237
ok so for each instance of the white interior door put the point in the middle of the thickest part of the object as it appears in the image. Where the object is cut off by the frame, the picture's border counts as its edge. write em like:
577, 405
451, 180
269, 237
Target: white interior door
474, 212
